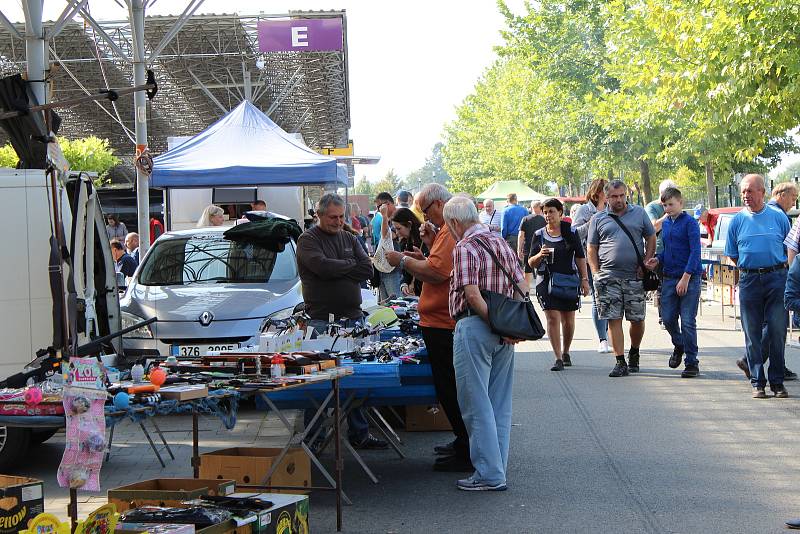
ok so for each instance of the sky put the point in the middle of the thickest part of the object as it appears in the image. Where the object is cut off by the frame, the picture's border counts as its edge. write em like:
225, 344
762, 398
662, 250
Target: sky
410, 64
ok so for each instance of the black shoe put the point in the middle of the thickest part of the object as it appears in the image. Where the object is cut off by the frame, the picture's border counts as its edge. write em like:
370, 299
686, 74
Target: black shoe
780, 391
445, 450
558, 366
619, 370
453, 464
788, 374
742, 364
690, 371
567, 360
675, 359
758, 392
633, 362
370, 442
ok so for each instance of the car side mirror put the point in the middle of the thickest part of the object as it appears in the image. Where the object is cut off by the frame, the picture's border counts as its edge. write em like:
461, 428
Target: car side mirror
120, 278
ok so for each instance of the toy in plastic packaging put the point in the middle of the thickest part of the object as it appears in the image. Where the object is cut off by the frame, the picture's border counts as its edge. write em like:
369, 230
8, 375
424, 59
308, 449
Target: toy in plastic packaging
46, 523
84, 397
101, 521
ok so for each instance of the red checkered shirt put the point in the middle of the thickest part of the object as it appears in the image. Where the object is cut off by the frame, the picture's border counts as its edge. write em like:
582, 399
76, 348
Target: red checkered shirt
472, 265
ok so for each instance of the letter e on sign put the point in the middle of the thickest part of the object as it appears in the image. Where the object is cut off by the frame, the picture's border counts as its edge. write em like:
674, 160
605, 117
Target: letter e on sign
296, 35
300, 36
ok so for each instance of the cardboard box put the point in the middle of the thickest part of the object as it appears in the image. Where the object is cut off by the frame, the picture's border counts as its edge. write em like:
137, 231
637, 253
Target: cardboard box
288, 515
167, 492
426, 419
730, 275
184, 392
146, 528
248, 465
726, 294
21, 499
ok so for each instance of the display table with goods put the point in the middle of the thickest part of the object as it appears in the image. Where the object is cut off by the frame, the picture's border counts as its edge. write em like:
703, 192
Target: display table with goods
85, 401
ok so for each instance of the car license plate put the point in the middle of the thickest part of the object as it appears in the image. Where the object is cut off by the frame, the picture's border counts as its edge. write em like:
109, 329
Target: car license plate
188, 351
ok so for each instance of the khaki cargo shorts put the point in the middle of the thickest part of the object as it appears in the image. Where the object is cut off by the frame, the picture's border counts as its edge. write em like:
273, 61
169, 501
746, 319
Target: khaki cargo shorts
616, 297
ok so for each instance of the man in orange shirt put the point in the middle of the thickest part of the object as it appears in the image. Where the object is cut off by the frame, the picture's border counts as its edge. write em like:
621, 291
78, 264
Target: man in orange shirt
434, 318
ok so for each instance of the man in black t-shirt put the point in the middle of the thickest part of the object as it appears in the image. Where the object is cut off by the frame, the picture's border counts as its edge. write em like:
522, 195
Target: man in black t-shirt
527, 229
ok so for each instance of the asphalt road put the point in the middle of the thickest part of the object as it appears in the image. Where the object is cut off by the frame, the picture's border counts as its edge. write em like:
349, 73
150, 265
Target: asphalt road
651, 453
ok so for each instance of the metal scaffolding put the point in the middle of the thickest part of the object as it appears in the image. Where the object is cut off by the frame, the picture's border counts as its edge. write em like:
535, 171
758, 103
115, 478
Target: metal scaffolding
204, 68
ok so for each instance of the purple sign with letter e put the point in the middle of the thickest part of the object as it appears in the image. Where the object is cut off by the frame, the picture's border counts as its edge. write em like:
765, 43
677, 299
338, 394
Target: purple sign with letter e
300, 35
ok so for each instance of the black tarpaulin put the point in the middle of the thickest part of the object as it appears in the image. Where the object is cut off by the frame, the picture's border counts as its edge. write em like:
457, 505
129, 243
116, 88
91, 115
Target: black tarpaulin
27, 131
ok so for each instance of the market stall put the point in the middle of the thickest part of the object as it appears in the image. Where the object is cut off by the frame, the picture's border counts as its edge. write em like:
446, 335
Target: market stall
244, 149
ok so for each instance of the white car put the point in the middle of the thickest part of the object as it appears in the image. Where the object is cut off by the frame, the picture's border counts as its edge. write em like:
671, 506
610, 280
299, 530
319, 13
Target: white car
207, 293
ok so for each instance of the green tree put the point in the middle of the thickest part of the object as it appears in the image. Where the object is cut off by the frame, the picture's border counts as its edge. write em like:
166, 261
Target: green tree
90, 154
390, 183
8, 156
364, 187
722, 73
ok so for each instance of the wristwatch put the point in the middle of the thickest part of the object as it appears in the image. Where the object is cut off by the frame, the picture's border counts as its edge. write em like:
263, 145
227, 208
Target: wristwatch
403, 262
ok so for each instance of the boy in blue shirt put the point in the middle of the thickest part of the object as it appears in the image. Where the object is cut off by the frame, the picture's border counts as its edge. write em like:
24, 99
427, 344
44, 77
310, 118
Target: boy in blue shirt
680, 290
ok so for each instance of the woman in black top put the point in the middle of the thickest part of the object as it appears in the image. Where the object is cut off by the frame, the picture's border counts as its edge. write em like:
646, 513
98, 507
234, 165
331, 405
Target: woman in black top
406, 225
557, 249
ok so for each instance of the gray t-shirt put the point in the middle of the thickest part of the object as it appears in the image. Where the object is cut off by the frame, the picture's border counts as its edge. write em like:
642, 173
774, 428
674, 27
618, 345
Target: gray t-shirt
617, 257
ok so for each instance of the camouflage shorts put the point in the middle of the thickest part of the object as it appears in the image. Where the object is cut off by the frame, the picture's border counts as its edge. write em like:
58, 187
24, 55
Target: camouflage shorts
615, 297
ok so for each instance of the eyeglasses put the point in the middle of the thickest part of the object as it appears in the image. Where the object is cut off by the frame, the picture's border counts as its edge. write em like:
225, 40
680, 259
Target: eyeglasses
425, 210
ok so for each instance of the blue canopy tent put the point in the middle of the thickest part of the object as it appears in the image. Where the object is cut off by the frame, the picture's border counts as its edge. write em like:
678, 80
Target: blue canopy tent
241, 149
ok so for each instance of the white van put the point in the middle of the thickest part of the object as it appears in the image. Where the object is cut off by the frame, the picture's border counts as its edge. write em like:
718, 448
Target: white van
27, 290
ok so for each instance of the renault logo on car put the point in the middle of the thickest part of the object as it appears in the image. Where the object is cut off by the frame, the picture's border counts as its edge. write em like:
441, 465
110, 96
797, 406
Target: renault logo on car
206, 317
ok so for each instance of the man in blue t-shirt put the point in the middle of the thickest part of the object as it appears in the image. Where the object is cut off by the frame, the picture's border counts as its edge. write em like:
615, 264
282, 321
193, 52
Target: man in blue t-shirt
755, 244
512, 218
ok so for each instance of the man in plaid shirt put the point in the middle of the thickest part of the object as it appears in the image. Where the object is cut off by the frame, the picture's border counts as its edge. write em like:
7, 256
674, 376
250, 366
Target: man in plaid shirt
483, 361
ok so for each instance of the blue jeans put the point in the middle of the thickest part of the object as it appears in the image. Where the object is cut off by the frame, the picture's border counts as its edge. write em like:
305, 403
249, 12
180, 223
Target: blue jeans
390, 285
357, 424
761, 301
674, 307
601, 325
484, 379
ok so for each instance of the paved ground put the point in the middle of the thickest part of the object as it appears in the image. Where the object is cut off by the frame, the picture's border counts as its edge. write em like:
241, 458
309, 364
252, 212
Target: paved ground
650, 453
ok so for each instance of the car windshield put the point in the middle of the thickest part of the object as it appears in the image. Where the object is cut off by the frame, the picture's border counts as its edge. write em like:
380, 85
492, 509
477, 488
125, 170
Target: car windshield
722, 232
212, 258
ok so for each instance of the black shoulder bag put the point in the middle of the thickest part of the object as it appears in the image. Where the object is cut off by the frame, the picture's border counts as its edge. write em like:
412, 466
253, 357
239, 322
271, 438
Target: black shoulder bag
650, 281
508, 317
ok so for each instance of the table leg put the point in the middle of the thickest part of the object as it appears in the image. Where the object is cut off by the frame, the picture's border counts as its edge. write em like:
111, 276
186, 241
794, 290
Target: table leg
382, 430
110, 442
72, 509
152, 445
161, 435
339, 467
298, 438
377, 413
195, 446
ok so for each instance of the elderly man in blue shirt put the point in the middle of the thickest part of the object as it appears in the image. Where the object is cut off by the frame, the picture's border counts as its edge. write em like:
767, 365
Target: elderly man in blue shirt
755, 245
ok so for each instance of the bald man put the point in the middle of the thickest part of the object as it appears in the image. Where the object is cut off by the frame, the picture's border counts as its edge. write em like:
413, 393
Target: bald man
755, 245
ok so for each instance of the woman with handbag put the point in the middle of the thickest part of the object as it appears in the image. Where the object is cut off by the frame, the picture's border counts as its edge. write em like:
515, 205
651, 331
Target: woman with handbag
559, 262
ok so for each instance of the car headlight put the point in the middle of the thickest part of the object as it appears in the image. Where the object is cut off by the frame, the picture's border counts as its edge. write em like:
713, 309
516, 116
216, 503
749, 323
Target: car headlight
280, 315
129, 320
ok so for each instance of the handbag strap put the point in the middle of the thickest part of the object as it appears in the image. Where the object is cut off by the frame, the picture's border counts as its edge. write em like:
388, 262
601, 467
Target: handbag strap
633, 242
502, 268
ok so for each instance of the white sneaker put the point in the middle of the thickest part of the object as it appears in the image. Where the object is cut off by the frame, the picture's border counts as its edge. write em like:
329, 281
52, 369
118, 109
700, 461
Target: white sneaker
603, 348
